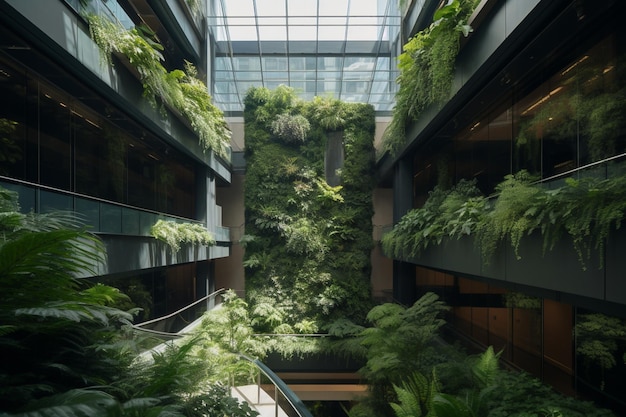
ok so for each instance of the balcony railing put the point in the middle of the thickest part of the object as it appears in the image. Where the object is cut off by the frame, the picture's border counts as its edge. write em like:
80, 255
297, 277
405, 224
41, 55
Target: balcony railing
99, 215
178, 323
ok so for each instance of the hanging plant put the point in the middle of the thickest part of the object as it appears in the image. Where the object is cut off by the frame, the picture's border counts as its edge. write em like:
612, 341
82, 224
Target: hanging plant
427, 68
179, 89
585, 210
175, 234
447, 213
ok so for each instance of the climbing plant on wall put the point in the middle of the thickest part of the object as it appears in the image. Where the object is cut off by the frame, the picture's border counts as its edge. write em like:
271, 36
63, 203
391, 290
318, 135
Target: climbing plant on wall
307, 243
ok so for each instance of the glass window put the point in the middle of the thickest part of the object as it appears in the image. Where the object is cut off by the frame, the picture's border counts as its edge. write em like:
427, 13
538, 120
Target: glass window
15, 152
55, 158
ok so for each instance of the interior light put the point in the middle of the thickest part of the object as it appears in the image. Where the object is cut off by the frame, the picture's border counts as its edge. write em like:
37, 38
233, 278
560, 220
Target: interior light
92, 123
542, 100
571, 67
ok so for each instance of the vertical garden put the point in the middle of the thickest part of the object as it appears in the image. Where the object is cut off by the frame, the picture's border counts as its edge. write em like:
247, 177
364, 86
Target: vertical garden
308, 202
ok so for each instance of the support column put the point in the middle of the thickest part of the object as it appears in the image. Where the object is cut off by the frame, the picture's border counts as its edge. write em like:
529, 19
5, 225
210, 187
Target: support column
404, 290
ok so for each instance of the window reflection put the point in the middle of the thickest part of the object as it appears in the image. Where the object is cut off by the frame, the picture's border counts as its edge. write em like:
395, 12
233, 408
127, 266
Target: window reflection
573, 118
49, 138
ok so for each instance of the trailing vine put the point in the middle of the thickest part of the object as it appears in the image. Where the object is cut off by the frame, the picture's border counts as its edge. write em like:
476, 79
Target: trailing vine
426, 68
447, 213
585, 210
179, 89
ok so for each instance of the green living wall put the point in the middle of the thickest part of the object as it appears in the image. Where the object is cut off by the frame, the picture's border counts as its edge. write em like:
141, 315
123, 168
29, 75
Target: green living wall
307, 243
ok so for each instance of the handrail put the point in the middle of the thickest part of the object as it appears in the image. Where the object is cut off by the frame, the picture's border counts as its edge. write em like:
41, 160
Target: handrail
582, 168
95, 199
296, 403
140, 326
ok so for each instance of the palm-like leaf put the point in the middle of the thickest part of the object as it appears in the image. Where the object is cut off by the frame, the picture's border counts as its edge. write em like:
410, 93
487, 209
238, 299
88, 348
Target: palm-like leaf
74, 403
37, 267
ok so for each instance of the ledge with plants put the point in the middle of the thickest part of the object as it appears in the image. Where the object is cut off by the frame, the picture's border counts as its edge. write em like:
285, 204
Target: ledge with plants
176, 234
179, 89
427, 68
584, 210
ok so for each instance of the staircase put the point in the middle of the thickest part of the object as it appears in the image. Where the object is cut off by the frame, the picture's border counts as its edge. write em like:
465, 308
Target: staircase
259, 400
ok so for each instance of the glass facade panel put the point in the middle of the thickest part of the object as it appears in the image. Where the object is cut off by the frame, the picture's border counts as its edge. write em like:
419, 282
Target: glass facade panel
555, 125
15, 150
51, 140
55, 159
110, 218
130, 221
89, 212
50, 202
600, 354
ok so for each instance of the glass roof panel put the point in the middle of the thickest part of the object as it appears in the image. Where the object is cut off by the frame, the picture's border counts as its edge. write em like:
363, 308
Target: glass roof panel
333, 7
273, 33
332, 33
305, 43
270, 7
301, 7
302, 33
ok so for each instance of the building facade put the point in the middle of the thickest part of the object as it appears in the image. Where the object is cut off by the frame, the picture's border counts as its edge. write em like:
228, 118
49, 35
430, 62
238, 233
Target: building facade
538, 86
79, 134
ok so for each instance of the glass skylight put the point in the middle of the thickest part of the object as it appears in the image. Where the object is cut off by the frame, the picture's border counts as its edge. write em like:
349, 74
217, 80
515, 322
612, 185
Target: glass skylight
343, 49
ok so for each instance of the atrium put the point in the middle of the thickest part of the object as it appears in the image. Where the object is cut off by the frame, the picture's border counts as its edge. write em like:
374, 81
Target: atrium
344, 199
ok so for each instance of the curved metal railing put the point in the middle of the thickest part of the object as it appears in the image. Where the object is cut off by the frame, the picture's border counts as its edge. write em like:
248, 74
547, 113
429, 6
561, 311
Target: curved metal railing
176, 324
273, 394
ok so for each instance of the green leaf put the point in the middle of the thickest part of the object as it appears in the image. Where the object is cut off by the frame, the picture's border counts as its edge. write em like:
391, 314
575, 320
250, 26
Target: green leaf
74, 403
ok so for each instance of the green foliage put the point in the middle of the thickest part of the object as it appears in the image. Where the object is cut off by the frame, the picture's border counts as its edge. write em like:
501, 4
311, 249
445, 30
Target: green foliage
330, 114
415, 396
512, 213
520, 300
195, 104
489, 391
597, 338
447, 213
397, 344
175, 234
426, 68
71, 352
520, 395
585, 210
179, 89
291, 128
310, 240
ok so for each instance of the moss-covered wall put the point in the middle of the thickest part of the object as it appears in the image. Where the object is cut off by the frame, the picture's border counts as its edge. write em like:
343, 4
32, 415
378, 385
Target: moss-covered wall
307, 244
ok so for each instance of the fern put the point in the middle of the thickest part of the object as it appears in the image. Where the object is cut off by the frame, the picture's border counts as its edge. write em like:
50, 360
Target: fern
179, 89
426, 69
415, 396
74, 403
174, 234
